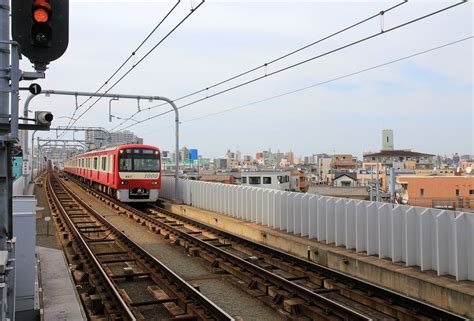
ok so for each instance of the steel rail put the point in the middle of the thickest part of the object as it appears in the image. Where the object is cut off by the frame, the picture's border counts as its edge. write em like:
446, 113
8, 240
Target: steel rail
327, 305
374, 290
189, 291
126, 313
394, 298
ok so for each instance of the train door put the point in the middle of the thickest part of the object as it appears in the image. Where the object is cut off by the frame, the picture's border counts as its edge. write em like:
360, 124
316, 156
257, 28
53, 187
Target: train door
96, 168
108, 168
112, 169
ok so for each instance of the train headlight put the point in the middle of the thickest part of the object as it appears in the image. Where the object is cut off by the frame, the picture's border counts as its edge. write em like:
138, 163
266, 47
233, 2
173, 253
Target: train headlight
124, 182
154, 183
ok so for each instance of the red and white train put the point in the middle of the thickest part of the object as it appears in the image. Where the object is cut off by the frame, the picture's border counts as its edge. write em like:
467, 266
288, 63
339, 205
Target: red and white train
130, 173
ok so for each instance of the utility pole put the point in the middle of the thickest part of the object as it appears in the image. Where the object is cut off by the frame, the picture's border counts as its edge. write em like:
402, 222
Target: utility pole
377, 184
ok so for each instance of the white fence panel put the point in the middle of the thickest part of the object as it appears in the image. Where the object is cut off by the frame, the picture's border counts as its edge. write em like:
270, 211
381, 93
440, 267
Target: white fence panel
385, 231
398, 234
430, 238
445, 243
305, 215
277, 219
256, 204
330, 220
248, 202
312, 216
321, 219
240, 195
413, 236
350, 225
265, 206
425, 258
464, 244
372, 229
361, 227
271, 208
284, 211
290, 219
297, 201
340, 222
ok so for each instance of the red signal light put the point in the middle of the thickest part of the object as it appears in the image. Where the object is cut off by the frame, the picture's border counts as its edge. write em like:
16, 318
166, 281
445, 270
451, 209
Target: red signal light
41, 10
40, 15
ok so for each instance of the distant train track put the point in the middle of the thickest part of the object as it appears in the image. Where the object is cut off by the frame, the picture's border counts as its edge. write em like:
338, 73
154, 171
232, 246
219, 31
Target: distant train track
117, 279
296, 286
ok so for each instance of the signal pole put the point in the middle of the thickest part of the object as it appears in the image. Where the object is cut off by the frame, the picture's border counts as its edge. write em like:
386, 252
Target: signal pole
5, 144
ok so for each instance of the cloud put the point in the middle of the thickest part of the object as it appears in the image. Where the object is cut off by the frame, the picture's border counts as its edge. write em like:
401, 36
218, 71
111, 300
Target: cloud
427, 100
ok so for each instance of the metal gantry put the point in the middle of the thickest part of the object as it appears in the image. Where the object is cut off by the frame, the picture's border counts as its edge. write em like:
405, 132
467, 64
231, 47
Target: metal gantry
118, 96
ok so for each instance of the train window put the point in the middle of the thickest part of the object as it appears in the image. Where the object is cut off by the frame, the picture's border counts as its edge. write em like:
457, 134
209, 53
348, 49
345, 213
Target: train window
104, 163
254, 180
126, 163
96, 161
146, 164
267, 180
140, 160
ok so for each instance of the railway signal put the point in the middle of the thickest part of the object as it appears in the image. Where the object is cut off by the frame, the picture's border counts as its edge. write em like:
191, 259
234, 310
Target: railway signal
41, 27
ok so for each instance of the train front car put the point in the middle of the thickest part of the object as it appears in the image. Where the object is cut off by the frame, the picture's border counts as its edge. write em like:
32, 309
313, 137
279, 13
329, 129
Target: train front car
139, 173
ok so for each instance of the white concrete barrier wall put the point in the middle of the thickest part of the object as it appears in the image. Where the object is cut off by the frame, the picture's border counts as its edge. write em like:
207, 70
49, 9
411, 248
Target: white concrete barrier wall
429, 238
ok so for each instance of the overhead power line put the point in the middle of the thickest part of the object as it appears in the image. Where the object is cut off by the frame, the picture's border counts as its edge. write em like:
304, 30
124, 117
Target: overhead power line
139, 61
329, 81
326, 81
125, 61
265, 65
299, 63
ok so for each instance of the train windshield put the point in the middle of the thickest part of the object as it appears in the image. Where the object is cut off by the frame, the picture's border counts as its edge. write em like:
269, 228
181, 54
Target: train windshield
139, 160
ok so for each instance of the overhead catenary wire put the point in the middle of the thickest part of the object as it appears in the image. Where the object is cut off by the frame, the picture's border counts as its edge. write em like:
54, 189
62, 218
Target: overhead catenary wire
266, 64
125, 61
326, 81
139, 61
329, 80
300, 63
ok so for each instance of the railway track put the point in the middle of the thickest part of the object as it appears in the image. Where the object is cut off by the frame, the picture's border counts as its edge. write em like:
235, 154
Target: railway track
299, 288
116, 278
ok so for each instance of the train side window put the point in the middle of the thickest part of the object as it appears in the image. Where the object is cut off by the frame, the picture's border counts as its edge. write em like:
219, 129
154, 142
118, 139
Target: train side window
104, 164
254, 180
96, 161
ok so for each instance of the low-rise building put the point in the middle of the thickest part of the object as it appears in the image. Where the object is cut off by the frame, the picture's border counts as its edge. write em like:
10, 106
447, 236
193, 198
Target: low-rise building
345, 179
298, 181
343, 162
451, 192
394, 158
268, 179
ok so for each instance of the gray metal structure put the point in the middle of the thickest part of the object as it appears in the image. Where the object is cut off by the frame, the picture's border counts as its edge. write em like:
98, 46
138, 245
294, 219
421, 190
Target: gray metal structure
7, 138
118, 96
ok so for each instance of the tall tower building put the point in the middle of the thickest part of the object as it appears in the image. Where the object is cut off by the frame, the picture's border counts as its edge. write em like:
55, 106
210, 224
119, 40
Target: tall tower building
387, 139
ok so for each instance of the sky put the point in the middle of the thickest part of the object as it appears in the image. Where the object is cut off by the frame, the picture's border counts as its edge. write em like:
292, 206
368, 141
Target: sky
427, 99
